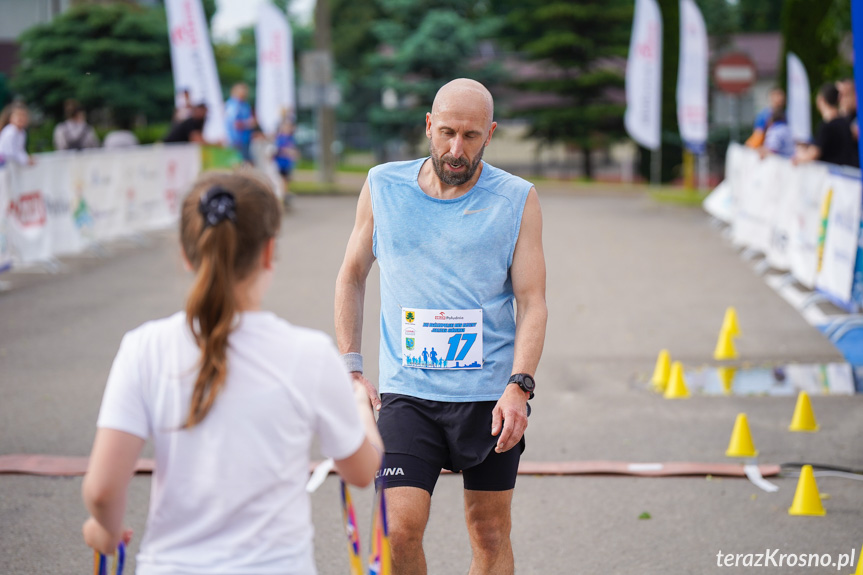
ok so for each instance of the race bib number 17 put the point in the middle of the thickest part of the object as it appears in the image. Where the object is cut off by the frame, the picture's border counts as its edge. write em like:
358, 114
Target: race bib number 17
442, 339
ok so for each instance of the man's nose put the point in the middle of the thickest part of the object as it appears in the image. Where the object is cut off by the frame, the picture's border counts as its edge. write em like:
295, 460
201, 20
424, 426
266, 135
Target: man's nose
456, 147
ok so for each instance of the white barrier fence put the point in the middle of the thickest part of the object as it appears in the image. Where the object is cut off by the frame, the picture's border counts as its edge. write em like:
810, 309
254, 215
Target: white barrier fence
70, 201
805, 220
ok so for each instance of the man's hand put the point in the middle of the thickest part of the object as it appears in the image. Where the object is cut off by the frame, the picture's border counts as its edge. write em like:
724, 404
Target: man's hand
509, 418
370, 389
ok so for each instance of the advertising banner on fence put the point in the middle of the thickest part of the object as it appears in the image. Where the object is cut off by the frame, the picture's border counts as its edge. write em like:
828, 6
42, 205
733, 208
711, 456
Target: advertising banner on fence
28, 215
68, 201
275, 90
5, 250
810, 190
644, 76
799, 110
193, 63
840, 240
692, 78
776, 209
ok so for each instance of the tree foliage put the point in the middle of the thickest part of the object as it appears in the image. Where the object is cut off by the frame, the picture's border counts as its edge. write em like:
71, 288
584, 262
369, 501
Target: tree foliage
814, 30
423, 45
113, 56
760, 15
579, 50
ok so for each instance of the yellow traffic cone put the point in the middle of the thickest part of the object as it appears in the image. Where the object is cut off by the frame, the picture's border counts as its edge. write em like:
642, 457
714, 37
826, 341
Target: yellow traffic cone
804, 417
807, 501
729, 322
661, 371
859, 570
726, 377
676, 388
725, 346
741, 444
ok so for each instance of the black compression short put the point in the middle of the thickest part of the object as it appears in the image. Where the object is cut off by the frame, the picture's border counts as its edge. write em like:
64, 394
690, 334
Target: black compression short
423, 436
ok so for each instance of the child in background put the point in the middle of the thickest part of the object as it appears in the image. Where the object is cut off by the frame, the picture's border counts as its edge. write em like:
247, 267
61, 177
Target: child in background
232, 397
13, 137
286, 155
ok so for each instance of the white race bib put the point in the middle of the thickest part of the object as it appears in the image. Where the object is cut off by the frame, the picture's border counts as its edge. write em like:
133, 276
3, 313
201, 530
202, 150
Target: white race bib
442, 339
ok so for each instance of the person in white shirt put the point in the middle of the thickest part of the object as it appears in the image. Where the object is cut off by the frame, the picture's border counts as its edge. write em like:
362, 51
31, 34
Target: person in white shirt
232, 398
13, 137
75, 133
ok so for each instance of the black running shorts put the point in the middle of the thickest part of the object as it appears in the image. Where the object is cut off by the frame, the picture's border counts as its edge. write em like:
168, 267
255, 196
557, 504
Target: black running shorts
423, 436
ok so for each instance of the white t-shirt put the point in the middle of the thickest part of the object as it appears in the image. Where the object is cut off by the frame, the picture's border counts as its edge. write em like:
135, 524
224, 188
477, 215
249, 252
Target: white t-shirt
228, 495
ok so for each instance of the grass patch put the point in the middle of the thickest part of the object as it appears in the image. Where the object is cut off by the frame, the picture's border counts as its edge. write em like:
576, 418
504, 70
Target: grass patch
320, 188
679, 196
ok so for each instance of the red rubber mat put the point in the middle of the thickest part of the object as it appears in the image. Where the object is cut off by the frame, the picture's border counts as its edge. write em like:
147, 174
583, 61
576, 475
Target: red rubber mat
71, 466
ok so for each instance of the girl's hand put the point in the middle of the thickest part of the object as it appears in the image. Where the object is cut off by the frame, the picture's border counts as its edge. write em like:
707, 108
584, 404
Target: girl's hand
98, 538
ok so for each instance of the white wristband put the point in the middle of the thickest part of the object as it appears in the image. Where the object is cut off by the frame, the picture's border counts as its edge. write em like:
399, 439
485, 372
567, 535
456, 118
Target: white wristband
353, 361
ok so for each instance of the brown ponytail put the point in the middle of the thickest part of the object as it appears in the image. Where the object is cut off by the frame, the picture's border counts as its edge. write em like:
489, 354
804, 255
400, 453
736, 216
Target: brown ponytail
223, 250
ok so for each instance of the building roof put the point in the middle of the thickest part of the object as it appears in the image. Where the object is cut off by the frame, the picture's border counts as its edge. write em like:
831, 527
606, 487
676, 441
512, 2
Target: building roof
764, 48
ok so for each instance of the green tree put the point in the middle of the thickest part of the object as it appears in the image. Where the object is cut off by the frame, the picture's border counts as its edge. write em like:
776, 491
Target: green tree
815, 30
580, 47
760, 15
353, 41
423, 46
113, 57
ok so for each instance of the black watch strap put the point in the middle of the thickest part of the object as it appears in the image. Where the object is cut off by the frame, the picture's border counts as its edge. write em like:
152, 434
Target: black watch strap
525, 381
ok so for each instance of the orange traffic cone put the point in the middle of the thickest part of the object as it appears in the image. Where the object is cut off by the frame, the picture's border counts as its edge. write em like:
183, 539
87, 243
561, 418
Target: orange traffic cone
661, 371
807, 501
741, 444
804, 417
676, 388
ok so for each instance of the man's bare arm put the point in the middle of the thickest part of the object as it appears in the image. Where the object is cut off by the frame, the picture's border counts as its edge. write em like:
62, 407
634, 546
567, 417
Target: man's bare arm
351, 286
528, 283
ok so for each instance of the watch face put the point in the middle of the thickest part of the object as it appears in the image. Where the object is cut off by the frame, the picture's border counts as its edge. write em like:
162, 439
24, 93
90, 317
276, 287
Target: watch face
528, 383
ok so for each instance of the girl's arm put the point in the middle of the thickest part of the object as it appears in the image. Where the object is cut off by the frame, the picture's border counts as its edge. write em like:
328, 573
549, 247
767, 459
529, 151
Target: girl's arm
112, 464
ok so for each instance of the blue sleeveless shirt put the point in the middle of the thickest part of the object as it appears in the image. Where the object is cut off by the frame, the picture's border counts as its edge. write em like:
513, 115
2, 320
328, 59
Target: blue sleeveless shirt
450, 255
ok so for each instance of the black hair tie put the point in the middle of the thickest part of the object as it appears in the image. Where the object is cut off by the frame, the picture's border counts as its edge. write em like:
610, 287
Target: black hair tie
217, 205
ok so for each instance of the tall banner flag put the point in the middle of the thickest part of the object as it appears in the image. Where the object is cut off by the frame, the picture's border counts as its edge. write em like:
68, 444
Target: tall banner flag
692, 78
799, 109
193, 63
275, 90
644, 76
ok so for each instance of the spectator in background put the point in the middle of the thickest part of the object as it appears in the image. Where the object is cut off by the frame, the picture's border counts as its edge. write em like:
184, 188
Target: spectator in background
286, 154
122, 137
848, 104
776, 100
191, 129
13, 137
75, 133
184, 107
777, 138
240, 121
834, 142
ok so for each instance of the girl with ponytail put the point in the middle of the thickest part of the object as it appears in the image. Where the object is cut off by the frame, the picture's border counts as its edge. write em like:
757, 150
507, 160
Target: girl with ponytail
232, 398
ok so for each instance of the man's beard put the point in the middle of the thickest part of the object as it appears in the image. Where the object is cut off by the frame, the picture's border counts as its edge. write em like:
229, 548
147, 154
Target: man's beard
454, 178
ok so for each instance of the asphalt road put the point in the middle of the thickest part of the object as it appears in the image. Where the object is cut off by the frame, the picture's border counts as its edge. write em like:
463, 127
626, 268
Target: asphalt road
626, 277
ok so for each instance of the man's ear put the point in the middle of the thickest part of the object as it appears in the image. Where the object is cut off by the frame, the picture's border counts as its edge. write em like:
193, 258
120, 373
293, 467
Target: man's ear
428, 125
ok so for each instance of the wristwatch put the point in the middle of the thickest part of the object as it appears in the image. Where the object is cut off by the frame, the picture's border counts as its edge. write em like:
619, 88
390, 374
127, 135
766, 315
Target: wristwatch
524, 381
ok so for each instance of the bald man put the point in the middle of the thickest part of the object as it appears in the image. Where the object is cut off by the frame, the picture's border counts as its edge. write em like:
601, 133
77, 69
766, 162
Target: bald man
457, 242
